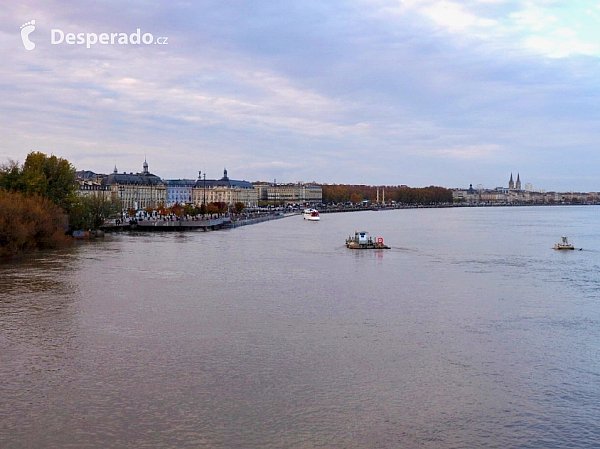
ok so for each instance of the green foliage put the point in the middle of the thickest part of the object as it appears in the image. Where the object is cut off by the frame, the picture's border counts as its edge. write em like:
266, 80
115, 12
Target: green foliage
239, 207
188, 209
90, 212
49, 177
10, 177
30, 223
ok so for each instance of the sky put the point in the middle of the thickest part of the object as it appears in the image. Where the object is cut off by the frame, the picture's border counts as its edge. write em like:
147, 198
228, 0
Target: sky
376, 92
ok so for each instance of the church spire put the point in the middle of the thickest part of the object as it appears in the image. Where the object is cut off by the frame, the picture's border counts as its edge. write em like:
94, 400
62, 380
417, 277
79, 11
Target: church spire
518, 185
511, 183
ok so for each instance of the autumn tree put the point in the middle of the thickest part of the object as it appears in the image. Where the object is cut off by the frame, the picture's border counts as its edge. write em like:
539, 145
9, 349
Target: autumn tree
401, 194
177, 209
30, 223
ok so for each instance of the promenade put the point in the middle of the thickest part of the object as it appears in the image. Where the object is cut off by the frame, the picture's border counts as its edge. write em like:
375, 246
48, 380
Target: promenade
187, 223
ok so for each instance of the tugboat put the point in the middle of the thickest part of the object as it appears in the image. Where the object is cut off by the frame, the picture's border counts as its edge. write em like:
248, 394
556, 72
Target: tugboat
564, 244
362, 240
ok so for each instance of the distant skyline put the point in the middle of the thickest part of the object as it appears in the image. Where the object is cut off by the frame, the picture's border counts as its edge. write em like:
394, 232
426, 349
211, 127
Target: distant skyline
375, 92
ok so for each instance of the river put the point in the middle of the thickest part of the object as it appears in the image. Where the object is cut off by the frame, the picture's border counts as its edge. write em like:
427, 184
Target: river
470, 332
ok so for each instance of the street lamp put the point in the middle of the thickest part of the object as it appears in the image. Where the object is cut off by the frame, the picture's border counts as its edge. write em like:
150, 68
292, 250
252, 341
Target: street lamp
204, 190
121, 188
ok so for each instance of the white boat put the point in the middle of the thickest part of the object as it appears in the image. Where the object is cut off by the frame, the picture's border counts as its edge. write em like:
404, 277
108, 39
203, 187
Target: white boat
311, 214
564, 244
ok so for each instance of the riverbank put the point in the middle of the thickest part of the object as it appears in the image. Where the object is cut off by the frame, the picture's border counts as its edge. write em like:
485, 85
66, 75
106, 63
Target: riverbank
381, 207
189, 223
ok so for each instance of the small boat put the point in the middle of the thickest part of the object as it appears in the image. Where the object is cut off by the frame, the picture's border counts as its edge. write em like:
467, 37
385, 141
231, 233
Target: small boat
81, 235
362, 240
87, 235
311, 214
564, 244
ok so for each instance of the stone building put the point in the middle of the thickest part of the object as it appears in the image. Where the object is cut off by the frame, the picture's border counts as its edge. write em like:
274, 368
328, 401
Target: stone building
137, 191
180, 191
224, 190
293, 193
512, 185
90, 184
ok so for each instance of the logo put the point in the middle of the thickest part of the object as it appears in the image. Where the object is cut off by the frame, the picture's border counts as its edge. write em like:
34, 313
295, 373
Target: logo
26, 30
58, 37
88, 39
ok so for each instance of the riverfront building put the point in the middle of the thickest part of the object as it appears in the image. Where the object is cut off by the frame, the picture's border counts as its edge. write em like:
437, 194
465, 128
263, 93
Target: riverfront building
144, 189
180, 191
224, 190
297, 193
90, 184
136, 191
515, 195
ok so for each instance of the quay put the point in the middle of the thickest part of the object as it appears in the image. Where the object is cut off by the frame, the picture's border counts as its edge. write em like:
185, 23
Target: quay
185, 224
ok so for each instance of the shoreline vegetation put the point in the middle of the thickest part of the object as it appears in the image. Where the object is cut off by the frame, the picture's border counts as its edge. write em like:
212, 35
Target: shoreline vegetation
35, 199
29, 224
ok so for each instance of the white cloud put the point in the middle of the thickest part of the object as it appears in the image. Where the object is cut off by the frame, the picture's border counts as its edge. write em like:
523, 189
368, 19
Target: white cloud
455, 17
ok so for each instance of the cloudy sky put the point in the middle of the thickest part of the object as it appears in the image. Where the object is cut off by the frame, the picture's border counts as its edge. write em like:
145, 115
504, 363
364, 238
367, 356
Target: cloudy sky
378, 92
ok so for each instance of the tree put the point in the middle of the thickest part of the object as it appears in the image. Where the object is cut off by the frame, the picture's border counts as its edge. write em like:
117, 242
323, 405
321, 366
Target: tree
212, 208
91, 212
356, 198
188, 209
30, 223
161, 209
177, 209
10, 177
239, 207
49, 177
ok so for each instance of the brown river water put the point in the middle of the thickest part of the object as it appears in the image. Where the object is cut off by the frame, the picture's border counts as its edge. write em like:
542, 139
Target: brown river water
470, 332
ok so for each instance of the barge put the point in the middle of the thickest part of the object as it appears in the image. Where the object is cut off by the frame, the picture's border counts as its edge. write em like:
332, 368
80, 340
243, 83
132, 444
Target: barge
362, 240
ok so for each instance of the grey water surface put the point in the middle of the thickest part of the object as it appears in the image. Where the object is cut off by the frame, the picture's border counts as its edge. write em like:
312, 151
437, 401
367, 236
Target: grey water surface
471, 332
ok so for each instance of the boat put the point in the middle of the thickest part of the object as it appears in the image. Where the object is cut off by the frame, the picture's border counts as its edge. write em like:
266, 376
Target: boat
81, 235
362, 240
311, 214
564, 244
86, 235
